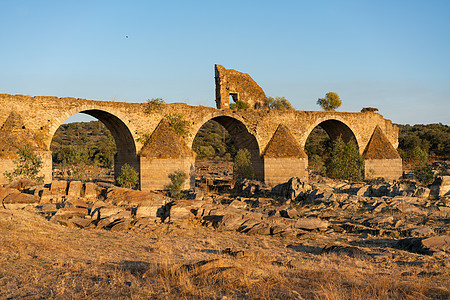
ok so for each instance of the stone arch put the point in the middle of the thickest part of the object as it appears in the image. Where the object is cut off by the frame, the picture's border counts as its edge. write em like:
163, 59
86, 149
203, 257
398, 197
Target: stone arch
241, 137
120, 130
334, 127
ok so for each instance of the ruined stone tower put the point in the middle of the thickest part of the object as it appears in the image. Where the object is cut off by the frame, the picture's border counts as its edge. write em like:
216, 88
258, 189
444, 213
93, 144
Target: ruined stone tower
239, 86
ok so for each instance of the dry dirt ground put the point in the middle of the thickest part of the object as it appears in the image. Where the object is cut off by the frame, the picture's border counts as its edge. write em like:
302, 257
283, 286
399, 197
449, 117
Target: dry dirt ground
43, 260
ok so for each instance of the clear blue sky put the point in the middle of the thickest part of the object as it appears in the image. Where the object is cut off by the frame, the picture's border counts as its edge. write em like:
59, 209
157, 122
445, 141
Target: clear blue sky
393, 55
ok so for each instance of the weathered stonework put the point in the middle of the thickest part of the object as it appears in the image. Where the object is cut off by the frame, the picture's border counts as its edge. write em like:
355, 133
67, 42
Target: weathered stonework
381, 158
34, 120
240, 86
283, 158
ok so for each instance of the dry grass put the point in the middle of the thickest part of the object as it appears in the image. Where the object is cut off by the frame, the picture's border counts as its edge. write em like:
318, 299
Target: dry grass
40, 260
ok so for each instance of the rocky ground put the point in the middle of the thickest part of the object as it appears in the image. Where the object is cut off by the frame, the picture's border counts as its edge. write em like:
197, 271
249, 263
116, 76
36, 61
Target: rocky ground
322, 239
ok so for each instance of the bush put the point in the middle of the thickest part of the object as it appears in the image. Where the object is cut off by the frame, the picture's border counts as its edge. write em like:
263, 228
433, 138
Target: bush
128, 177
154, 105
28, 165
345, 162
419, 158
242, 167
177, 178
239, 105
315, 164
179, 124
205, 151
277, 103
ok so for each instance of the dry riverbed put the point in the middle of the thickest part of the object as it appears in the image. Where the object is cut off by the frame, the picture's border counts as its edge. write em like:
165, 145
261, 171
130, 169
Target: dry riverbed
312, 241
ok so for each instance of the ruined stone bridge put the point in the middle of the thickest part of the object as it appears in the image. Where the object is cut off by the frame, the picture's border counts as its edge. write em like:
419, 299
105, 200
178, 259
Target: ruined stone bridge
145, 140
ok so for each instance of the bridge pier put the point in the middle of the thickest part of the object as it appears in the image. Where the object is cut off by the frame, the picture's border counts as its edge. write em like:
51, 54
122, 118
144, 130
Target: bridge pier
280, 170
284, 158
155, 172
381, 159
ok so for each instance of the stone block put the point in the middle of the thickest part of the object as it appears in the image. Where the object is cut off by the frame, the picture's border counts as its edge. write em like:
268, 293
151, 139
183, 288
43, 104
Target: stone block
19, 200
89, 190
108, 211
59, 188
75, 188
70, 212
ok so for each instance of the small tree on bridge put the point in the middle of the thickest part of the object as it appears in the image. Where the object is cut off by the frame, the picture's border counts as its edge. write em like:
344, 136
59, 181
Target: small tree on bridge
277, 103
330, 102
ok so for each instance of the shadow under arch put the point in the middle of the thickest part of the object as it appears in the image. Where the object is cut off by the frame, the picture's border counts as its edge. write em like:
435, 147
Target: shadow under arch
242, 139
335, 128
125, 144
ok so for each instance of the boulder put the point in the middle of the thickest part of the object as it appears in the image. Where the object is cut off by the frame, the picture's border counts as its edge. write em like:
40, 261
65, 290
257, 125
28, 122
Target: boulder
107, 211
430, 245
289, 213
79, 222
19, 200
249, 187
238, 204
294, 189
437, 243
422, 192
123, 196
311, 224
121, 225
184, 209
420, 231
70, 212
4, 192
440, 187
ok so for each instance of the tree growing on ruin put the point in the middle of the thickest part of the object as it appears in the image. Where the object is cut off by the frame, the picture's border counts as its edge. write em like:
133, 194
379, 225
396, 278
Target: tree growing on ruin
181, 126
154, 105
28, 165
345, 161
239, 105
330, 102
242, 167
277, 103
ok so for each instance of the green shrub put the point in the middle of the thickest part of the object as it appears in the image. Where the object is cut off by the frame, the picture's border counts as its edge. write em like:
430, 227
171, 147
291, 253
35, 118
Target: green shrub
28, 165
315, 164
177, 178
239, 105
277, 103
242, 167
345, 162
421, 169
181, 126
128, 177
205, 151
